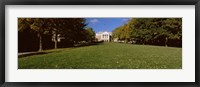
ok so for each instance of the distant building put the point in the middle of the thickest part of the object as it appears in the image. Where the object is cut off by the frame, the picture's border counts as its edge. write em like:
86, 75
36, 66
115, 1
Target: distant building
104, 36
59, 37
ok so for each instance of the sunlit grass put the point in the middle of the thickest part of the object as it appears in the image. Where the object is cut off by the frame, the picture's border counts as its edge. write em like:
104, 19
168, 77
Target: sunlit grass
107, 56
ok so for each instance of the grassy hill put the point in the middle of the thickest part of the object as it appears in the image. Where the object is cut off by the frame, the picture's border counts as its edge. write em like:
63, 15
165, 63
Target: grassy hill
107, 56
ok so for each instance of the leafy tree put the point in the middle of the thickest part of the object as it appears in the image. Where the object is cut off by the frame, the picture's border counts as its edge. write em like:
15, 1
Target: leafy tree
155, 31
73, 29
39, 25
118, 33
90, 35
70, 28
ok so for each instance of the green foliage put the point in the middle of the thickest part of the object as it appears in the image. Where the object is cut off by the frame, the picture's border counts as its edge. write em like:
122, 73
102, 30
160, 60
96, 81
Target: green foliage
90, 35
153, 31
107, 56
39, 25
72, 29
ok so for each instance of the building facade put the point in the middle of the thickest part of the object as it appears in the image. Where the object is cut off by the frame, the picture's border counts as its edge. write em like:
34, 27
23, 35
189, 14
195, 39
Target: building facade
104, 36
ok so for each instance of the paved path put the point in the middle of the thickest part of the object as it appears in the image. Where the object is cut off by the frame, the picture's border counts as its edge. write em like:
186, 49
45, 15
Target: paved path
25, 53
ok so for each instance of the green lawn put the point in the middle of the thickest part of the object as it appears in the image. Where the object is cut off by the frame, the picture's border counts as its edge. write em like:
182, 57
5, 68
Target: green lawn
107, 56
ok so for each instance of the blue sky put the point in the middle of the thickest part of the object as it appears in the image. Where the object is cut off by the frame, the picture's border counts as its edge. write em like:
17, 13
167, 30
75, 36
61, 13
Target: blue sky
105, 24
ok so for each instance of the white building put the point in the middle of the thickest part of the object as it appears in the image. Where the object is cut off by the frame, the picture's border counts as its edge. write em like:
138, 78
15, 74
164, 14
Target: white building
104, 36
59, 37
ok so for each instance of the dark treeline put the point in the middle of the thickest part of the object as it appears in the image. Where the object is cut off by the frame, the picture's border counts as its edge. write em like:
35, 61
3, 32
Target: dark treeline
151, 31
47, 33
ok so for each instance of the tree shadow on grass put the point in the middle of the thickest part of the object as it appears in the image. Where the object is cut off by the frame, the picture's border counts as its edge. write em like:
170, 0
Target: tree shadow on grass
32, 53
25, 54
89, 44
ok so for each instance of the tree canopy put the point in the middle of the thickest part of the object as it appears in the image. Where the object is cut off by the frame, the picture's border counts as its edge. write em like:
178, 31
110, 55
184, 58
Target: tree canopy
90, 35
72, 29
153, 31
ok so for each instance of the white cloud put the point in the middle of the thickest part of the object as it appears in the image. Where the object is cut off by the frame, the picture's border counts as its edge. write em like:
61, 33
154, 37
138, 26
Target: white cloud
93, 21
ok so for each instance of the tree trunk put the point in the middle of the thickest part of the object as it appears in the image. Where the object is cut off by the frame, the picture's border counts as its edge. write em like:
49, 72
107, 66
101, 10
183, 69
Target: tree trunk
166, 40
126, 41
143, 42
56, 41
40, 44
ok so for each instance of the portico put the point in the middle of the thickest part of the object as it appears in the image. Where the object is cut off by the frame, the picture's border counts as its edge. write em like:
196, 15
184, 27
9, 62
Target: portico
104, 36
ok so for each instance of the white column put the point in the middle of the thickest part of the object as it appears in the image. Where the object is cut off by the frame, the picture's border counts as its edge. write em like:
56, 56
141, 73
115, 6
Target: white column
101, 36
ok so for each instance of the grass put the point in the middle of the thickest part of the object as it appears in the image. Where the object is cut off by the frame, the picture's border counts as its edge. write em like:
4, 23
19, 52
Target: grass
107, 56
